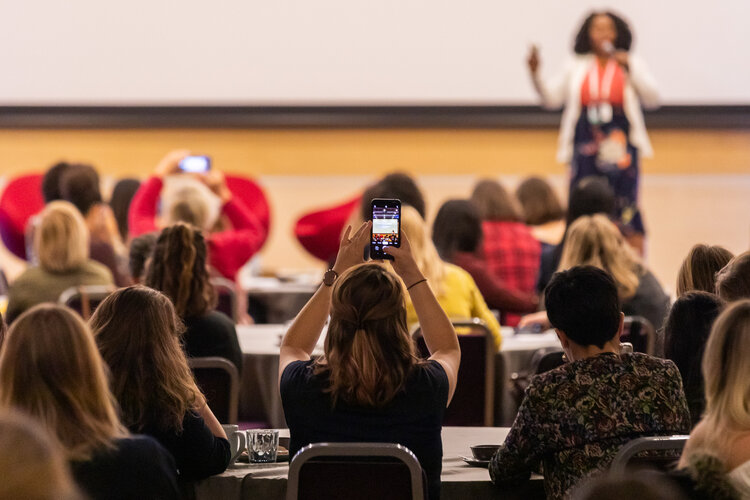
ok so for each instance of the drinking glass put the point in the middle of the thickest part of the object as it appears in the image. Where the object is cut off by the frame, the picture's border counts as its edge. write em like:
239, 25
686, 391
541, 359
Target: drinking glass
262, 445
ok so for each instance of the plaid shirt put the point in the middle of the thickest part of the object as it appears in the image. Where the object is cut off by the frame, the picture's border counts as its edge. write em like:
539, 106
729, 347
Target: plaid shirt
512, 254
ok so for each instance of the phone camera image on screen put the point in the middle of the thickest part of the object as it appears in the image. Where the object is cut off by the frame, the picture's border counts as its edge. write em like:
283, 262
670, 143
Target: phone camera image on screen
195, 164
386, 227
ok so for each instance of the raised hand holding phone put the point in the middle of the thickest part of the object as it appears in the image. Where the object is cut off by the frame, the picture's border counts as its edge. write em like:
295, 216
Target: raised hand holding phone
351, 248
386, 227
403, 262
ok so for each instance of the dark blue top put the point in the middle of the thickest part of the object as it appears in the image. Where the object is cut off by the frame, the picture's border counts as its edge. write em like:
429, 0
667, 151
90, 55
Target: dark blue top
138, 467
413, 418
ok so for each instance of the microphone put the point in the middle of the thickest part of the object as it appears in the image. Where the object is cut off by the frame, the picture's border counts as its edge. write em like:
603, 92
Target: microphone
608, 48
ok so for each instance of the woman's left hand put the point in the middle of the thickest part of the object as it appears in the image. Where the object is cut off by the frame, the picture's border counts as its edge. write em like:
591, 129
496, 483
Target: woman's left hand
352, 249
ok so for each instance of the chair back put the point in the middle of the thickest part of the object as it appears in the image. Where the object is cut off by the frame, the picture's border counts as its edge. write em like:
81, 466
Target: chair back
639, 331
226, 293
473, 402
366, 471
655, 448
84, 299
219, 381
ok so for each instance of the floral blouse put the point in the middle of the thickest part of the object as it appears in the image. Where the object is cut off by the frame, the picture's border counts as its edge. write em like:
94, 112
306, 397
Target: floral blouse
574, 419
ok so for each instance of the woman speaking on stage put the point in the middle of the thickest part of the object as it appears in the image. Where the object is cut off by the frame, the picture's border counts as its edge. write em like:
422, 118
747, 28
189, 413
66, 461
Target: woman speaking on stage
602, 131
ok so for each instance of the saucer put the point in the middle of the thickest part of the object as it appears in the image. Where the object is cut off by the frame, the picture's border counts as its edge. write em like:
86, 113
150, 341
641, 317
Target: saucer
476, 463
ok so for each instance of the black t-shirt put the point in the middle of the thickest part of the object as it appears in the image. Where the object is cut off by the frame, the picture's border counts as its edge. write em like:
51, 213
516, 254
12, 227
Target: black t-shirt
212, 334
139, 467
197, 452
413, 419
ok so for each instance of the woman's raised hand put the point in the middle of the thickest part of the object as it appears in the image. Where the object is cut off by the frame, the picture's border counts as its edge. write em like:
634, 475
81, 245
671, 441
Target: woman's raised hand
403, 261
533, 59
352, 248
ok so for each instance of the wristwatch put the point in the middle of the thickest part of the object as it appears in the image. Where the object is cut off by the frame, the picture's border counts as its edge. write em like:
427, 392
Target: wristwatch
329, 277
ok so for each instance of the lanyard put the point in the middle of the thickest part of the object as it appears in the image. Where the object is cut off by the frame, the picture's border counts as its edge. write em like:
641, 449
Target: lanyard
606, 87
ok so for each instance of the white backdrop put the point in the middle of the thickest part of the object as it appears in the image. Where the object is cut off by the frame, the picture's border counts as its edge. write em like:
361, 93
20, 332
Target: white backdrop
346, 52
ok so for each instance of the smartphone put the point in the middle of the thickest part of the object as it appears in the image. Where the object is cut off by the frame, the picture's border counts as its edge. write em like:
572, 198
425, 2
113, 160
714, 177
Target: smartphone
196, 164
386, 227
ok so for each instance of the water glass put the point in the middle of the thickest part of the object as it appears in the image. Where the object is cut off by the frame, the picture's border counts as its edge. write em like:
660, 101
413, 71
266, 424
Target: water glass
262, 445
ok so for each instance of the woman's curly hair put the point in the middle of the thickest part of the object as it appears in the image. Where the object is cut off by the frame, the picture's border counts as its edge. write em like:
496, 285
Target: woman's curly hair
623, 41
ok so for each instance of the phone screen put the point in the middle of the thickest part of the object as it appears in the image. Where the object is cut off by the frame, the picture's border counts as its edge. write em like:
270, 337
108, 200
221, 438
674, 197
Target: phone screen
386, 227
195, 164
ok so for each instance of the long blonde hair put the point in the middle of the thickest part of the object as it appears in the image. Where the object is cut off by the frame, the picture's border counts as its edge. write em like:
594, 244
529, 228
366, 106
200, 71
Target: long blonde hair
594, 240
50, 368
726, 376
138, 332
32, 461
368, 351
62, 239
425, 254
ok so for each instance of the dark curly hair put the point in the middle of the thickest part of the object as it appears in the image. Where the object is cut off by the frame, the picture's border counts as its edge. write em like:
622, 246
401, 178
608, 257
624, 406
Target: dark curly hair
623, 41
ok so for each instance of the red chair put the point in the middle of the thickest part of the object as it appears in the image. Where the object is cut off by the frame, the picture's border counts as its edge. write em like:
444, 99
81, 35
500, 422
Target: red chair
21, 198
319, 232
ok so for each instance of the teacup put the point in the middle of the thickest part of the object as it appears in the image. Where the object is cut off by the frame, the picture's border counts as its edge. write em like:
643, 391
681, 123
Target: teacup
236, 441
485, 452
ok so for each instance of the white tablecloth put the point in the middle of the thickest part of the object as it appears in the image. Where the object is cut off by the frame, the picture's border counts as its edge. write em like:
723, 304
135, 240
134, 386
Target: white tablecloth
459, 480
259, 395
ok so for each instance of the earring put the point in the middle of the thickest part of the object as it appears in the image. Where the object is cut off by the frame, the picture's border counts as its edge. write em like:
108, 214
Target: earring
564, 358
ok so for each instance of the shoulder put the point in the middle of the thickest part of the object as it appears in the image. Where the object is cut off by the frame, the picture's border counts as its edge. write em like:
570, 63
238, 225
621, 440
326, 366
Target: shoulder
29, 276
216, 318
295, 375
430, 377
98, 270
140, 446
456, 274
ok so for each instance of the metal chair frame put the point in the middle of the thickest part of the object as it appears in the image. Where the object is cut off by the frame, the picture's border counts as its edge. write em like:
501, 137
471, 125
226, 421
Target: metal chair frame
649, 443
216, 362
391, 450
86, 293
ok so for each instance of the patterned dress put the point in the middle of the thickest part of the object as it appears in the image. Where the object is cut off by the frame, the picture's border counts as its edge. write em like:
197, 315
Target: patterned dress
574, 419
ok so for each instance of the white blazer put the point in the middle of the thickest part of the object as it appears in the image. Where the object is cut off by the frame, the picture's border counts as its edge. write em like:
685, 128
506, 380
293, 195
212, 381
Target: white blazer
565, 88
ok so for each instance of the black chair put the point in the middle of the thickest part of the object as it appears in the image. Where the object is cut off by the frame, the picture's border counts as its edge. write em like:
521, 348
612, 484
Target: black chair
365, 471
639, 331
219, 381
649, 452
473, 401
226, 293
85, 299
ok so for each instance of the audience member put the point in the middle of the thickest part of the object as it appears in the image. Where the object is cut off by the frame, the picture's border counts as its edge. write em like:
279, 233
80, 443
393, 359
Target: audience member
79, 184
724, 432
398, 185
733, 281
139, 255
596, 241
51, 182
122, 195
698, 270
685, 334
511, 251
62, 246
138, 332
369, 384
590, 196
50, 369
574, 419
230, 249
542, 210
179, 269
457, 235
32, 462
646, 485
454, 288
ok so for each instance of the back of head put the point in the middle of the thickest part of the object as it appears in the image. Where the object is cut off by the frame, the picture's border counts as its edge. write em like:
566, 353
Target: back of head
596, 241
368, 350
584, 304
686, 331
178, 268
139, 252
646, 485
539, 202
425, 254
79, 184
137, 332
457, 227
591, 195
494, 202
733, 281
726, 370
698, 270
122, 195
50, 368
51, 182
190, 207
32, 462
398, 185
61, 241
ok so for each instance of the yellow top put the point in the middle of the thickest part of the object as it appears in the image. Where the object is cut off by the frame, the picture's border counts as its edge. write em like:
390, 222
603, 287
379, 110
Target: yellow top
460, 299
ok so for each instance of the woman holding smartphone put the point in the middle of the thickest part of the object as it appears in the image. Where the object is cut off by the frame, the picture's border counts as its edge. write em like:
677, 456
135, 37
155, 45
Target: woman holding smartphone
369, 386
